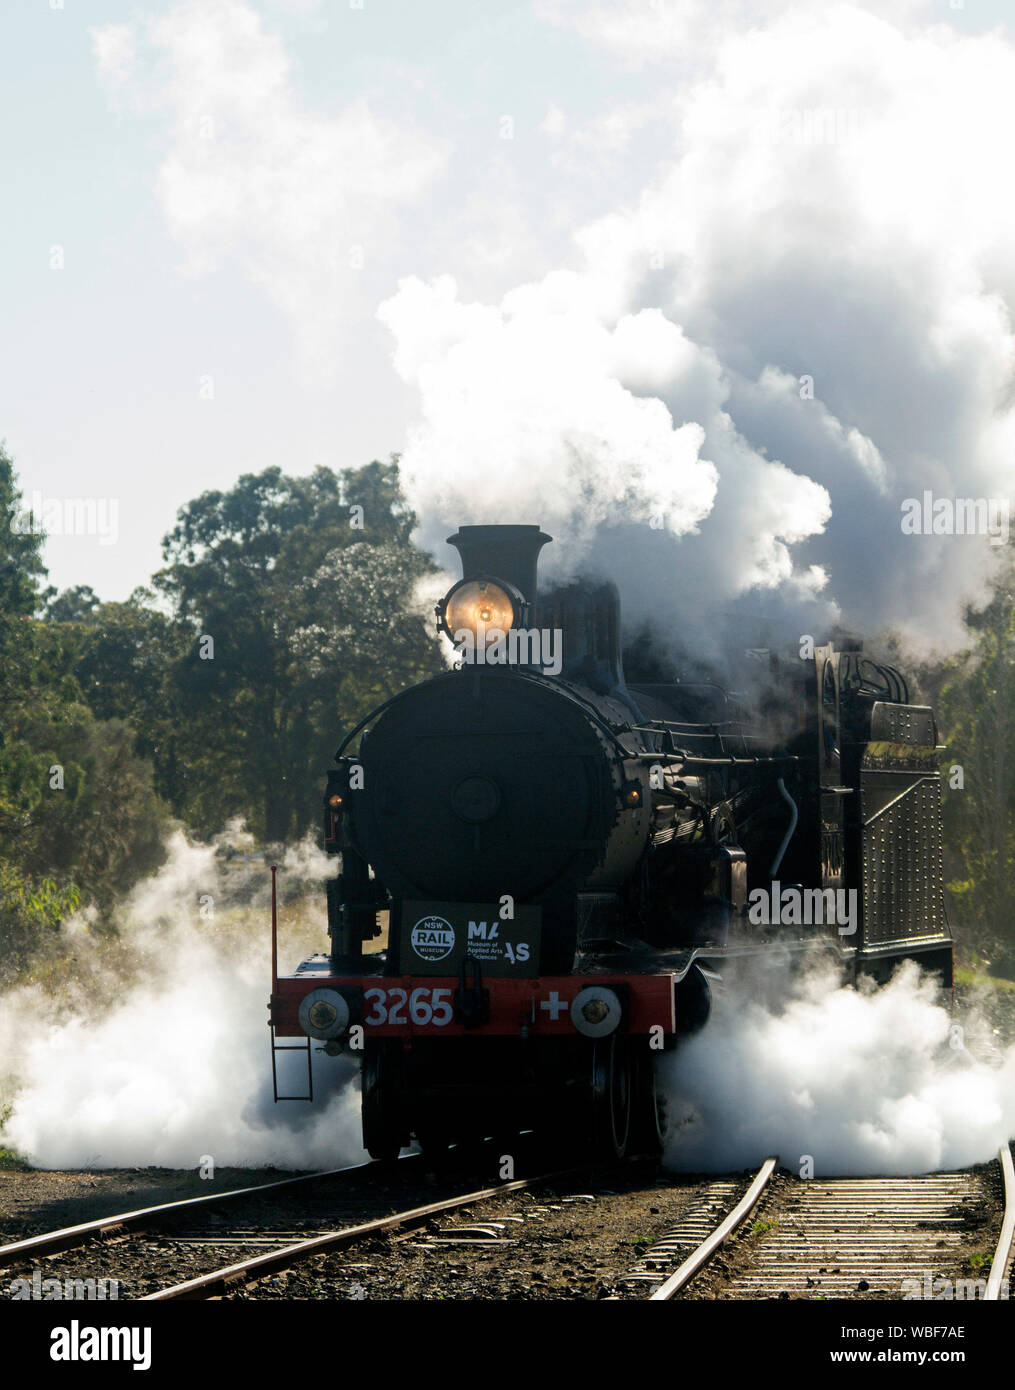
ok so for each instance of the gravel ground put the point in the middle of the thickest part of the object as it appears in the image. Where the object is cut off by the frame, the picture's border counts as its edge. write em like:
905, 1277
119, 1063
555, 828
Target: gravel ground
199, 1240
33, 1200
573, 1239
569, 1240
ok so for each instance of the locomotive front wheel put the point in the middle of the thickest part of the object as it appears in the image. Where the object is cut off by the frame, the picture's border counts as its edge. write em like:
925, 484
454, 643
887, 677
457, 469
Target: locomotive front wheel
611, 1096
383, 1128
651, 1122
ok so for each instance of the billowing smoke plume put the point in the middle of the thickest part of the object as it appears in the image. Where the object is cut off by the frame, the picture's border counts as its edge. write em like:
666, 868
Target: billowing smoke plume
859, 1082
159, 1054
800, 324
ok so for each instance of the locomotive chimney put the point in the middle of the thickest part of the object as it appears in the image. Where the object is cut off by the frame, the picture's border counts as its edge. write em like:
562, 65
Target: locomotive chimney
503, 552
588, 614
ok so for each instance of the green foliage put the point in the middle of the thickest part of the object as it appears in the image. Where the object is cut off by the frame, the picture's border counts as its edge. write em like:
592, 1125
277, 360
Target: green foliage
976, 709
104, 828
33, 899
294, 593
303, 587
41, 904
20, 569
77, 605
80, 821
116, 715
127, 654
994, 983
10, 1159
28, 909
20, 544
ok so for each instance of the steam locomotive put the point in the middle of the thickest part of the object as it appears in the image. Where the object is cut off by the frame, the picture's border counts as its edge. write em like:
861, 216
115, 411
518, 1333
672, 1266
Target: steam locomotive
570, 863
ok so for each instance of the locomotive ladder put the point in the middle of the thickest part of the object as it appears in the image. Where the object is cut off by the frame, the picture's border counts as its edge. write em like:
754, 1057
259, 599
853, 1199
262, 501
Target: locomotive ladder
276, 1046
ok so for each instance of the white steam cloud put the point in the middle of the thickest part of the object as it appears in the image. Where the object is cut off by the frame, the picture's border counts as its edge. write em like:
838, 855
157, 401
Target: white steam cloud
166, 1058
542, 384
877, 1082
803, 321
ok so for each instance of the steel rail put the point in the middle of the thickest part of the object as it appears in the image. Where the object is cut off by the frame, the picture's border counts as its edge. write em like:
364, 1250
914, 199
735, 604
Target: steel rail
1002, 1254
70, 1236
231, 1277
708, 1247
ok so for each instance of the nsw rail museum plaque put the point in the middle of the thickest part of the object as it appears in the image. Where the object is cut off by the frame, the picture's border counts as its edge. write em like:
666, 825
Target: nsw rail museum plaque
437, 937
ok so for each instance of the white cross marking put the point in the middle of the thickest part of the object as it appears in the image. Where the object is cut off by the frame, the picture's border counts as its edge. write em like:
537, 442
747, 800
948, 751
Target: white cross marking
554, 1006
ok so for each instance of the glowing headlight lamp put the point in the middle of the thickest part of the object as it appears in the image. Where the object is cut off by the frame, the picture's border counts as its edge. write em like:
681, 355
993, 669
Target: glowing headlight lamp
480, 603
324, 1014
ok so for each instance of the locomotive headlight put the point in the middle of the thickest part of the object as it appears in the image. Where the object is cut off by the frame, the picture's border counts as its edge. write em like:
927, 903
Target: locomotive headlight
478, 602
324, 1014
596, 1011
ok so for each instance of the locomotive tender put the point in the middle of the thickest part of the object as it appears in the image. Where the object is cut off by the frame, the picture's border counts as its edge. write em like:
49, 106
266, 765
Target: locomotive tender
569, 862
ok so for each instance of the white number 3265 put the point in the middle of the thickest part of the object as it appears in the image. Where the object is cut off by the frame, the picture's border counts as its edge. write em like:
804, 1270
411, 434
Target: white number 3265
424, 1006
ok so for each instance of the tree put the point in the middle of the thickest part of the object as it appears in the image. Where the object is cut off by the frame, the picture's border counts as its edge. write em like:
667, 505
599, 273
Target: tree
977, 710
274, 580
91, 817
127, 654
80, 821
20, 569
77, 605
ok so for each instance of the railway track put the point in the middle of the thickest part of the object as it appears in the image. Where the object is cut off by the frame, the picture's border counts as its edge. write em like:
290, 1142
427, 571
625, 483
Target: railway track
816, 1239
70, 1237
834, 1238
409, 1240
139, 1251
231, 1278
270, 1226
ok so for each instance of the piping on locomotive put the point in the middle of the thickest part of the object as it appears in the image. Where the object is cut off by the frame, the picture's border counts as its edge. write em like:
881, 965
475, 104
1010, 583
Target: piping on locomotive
568, 861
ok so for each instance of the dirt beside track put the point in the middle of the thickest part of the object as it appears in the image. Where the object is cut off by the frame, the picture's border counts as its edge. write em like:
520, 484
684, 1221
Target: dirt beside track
34, 1200
570, 1240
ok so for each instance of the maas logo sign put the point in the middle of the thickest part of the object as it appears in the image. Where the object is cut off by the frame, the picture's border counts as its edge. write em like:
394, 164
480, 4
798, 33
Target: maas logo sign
447, 935
433, 938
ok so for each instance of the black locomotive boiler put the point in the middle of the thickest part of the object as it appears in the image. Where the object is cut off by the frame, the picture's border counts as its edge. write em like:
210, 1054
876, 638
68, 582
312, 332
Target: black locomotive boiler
568, 862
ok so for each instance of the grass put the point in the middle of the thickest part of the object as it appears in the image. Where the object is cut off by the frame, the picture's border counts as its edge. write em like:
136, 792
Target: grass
10, 1160
762, 1228
975, 977
980, 1260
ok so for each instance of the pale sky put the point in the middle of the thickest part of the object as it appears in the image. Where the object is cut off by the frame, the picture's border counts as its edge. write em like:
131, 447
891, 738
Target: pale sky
233, 190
